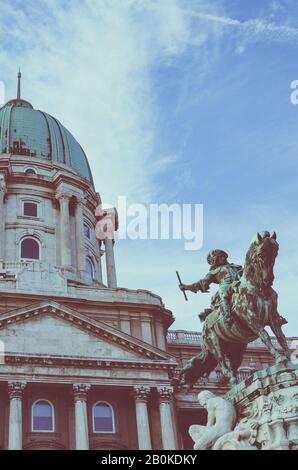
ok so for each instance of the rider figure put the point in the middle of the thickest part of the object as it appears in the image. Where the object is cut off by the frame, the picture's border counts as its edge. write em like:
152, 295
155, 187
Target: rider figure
223, 273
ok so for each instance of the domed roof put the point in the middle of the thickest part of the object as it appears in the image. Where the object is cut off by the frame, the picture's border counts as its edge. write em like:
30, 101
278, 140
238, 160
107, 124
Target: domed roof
33, 133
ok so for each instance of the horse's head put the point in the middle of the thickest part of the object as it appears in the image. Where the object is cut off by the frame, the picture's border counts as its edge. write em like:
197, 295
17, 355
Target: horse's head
260, 259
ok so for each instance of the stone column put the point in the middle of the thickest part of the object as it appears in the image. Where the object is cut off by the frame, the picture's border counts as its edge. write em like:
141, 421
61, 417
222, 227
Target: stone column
15, 392
141, 395
2, 220
160, 335
110, 263
80, 246
99, 270
167, 425
64, 229
146, 330
107, 224
81, 419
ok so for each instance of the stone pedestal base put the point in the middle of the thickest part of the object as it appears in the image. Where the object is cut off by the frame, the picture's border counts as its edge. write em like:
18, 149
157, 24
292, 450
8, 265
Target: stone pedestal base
267, 411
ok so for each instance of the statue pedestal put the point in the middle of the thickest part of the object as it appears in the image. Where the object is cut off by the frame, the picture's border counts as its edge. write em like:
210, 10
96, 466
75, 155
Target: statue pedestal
267, 411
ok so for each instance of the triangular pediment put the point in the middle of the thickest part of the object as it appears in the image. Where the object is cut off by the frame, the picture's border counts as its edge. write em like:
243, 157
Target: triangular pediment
51, 329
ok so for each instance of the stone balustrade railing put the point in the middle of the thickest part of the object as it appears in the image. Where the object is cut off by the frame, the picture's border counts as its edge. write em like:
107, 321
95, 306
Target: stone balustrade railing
195, 339
14, 265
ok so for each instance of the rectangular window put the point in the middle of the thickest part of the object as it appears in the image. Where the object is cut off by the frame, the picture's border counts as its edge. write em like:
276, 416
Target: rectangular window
30, 209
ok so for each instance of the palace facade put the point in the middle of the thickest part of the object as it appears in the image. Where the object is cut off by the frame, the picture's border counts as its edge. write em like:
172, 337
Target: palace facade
84, 364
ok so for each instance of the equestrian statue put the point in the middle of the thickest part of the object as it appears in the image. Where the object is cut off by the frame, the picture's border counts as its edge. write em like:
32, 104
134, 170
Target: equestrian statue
243, 306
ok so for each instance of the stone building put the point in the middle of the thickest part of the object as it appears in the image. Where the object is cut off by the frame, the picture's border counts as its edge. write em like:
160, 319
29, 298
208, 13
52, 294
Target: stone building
84, 364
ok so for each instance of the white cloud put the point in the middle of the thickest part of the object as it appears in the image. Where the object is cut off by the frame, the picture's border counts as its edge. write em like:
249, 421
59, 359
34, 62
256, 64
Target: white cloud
89, 64
253, 30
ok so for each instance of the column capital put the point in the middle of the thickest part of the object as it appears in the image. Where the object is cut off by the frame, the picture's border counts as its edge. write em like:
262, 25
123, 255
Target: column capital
165, 393
15, 389
81, 200
63, 195
80, 391
141, 392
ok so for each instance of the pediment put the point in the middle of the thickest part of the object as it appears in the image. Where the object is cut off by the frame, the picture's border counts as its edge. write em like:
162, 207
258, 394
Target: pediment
51, 329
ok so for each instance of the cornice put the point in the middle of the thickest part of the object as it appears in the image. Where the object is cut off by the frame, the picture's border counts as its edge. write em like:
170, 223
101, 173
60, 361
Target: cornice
23, 225
86, 363
52, 181
73, 180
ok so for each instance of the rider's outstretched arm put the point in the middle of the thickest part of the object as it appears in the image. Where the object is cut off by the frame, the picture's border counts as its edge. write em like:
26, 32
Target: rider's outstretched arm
203, 284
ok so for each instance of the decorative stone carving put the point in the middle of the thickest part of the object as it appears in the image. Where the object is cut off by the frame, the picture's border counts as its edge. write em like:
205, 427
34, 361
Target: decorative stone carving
66, 195
81, 201
221, 420
141, 393
80, 391
15, 389
267, 407
240, 439
165, 394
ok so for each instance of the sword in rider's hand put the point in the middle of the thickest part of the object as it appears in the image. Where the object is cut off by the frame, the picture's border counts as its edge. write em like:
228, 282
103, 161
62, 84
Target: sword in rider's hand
180, 283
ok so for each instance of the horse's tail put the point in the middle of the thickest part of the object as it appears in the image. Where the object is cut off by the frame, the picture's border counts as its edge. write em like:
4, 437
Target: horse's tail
202, 364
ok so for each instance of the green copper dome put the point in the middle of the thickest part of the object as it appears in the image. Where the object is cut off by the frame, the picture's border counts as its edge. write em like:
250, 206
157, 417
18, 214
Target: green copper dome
26, 131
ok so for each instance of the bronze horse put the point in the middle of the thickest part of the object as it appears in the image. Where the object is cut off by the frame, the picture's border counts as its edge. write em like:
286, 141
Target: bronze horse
253, 306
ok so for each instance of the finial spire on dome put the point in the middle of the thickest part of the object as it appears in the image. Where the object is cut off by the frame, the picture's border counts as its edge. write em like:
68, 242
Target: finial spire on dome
19, 84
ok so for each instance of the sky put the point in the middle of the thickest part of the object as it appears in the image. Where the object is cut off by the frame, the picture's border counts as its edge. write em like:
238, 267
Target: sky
174, 101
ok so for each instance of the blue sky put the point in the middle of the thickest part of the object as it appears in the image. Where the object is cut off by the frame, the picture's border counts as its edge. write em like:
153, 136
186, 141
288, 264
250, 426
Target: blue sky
174, 101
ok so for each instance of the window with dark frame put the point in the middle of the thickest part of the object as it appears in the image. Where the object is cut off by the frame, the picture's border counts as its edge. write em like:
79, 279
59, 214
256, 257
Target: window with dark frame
103, 418
87, 231
30, 249
30, 209
42, 417
30, 171
89, 267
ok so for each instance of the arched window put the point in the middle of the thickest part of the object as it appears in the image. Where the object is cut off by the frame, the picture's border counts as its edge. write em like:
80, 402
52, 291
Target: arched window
90, 267
103, 418
43, 416
30, 249
30, 171
87, 230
